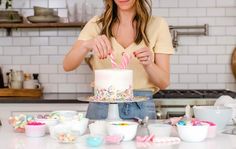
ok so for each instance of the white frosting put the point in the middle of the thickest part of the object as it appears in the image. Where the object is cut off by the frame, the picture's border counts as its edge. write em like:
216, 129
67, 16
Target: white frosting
119, 80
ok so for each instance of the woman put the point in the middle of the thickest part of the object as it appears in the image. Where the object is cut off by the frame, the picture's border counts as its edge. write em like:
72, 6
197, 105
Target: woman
126, 26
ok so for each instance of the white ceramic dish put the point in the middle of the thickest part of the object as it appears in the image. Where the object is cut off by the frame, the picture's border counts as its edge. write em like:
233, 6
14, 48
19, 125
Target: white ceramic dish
48, 122
127, 131
193, 133
35, 130
98, 128
219, 115
160, 130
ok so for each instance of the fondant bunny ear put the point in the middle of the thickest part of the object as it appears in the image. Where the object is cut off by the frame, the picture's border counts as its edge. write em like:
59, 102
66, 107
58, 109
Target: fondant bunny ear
125, 60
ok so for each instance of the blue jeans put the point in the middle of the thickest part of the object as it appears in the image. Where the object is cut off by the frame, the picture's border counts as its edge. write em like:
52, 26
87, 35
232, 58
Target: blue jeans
126, 110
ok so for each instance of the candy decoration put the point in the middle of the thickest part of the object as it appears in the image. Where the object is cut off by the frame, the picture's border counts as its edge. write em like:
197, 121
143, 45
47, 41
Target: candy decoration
115, 139
145, 138
66, 138
166, 140
94, 141
19, 122
113, 62
124, 62
35, 123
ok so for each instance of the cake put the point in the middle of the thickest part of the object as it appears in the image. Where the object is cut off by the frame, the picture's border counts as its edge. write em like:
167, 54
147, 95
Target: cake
113, 85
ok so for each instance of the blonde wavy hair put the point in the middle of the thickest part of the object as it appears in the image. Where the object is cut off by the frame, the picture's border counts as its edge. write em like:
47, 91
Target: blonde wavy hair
142, 16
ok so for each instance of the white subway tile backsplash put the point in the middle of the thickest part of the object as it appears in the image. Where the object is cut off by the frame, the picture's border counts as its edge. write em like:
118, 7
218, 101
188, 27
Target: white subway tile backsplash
178, 86
197, 69
206, 59
21, 4
63, 50
231, 30
63, 13
226, 40
48, 69
67, 32
76, 78
187, 40
32, 50
225, 78
5, 41
217, 30
43, 78
197, 50
187, 3
27, 12
215, 11
1, 50
71, 40
178, 12
225, 21
30, 32
174, 78
206, 3
39, 60
197, 86
48, 50
231, 86
216, 86
60, 41
206, 40
30, 68
68, 88
20, 60
216, 50
206, 20
50, 88
57, 3
11, 50
61, 70
186, 59
229, 49
56, 59
84, 88
230, 11
179, 69
57, 78
188, 21
39, 41
41, 3
223, 59
174, 59
196, 12
5, 60
207, 78
168, 3
216, 69
48, 32
89, 78
225, 3
20, 41
161, 12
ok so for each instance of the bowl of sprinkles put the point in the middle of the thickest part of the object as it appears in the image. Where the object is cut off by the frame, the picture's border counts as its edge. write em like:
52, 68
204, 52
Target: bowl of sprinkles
125, 129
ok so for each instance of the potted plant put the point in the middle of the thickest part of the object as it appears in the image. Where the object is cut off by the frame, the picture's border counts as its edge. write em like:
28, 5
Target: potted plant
8, 15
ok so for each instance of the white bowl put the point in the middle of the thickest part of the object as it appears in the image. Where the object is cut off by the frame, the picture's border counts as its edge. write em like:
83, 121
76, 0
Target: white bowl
193, 133
98, 128
128, 131
58, 129
79, 126
219, 115
65, 115
48, 122
160, 130
35, 130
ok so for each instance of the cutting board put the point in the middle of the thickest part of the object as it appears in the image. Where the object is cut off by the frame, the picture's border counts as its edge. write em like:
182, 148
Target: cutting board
8, 92
233, 62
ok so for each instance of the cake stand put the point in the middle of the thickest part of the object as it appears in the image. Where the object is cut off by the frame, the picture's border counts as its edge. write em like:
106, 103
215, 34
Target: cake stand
113, 109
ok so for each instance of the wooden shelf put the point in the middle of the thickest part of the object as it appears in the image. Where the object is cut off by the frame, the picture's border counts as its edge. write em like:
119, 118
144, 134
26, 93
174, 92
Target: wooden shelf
10, 26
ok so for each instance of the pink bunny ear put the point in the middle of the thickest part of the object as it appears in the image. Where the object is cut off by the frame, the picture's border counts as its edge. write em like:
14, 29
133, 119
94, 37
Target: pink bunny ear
125, 60
113, 62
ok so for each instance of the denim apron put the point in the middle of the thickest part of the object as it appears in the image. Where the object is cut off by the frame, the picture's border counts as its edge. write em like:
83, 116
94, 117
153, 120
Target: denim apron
126, 110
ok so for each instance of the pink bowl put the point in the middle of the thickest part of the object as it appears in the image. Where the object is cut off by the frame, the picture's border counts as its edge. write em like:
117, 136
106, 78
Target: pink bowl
35, 130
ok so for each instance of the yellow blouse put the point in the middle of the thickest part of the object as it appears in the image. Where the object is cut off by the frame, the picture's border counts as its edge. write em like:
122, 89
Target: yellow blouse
159, 42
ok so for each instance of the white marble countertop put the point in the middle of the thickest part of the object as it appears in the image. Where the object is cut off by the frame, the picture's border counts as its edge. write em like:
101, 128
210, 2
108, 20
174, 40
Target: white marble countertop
12, 140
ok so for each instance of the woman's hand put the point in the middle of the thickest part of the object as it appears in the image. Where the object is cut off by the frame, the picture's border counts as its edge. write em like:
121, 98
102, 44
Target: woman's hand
100, 45
144, 55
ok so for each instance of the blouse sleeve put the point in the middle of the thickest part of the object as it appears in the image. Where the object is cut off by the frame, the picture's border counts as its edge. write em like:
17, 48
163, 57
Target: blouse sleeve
164, 41
90, 30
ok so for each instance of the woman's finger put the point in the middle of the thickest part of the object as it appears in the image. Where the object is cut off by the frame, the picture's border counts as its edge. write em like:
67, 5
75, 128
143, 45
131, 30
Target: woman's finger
104, 46
108, 43
99, 47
